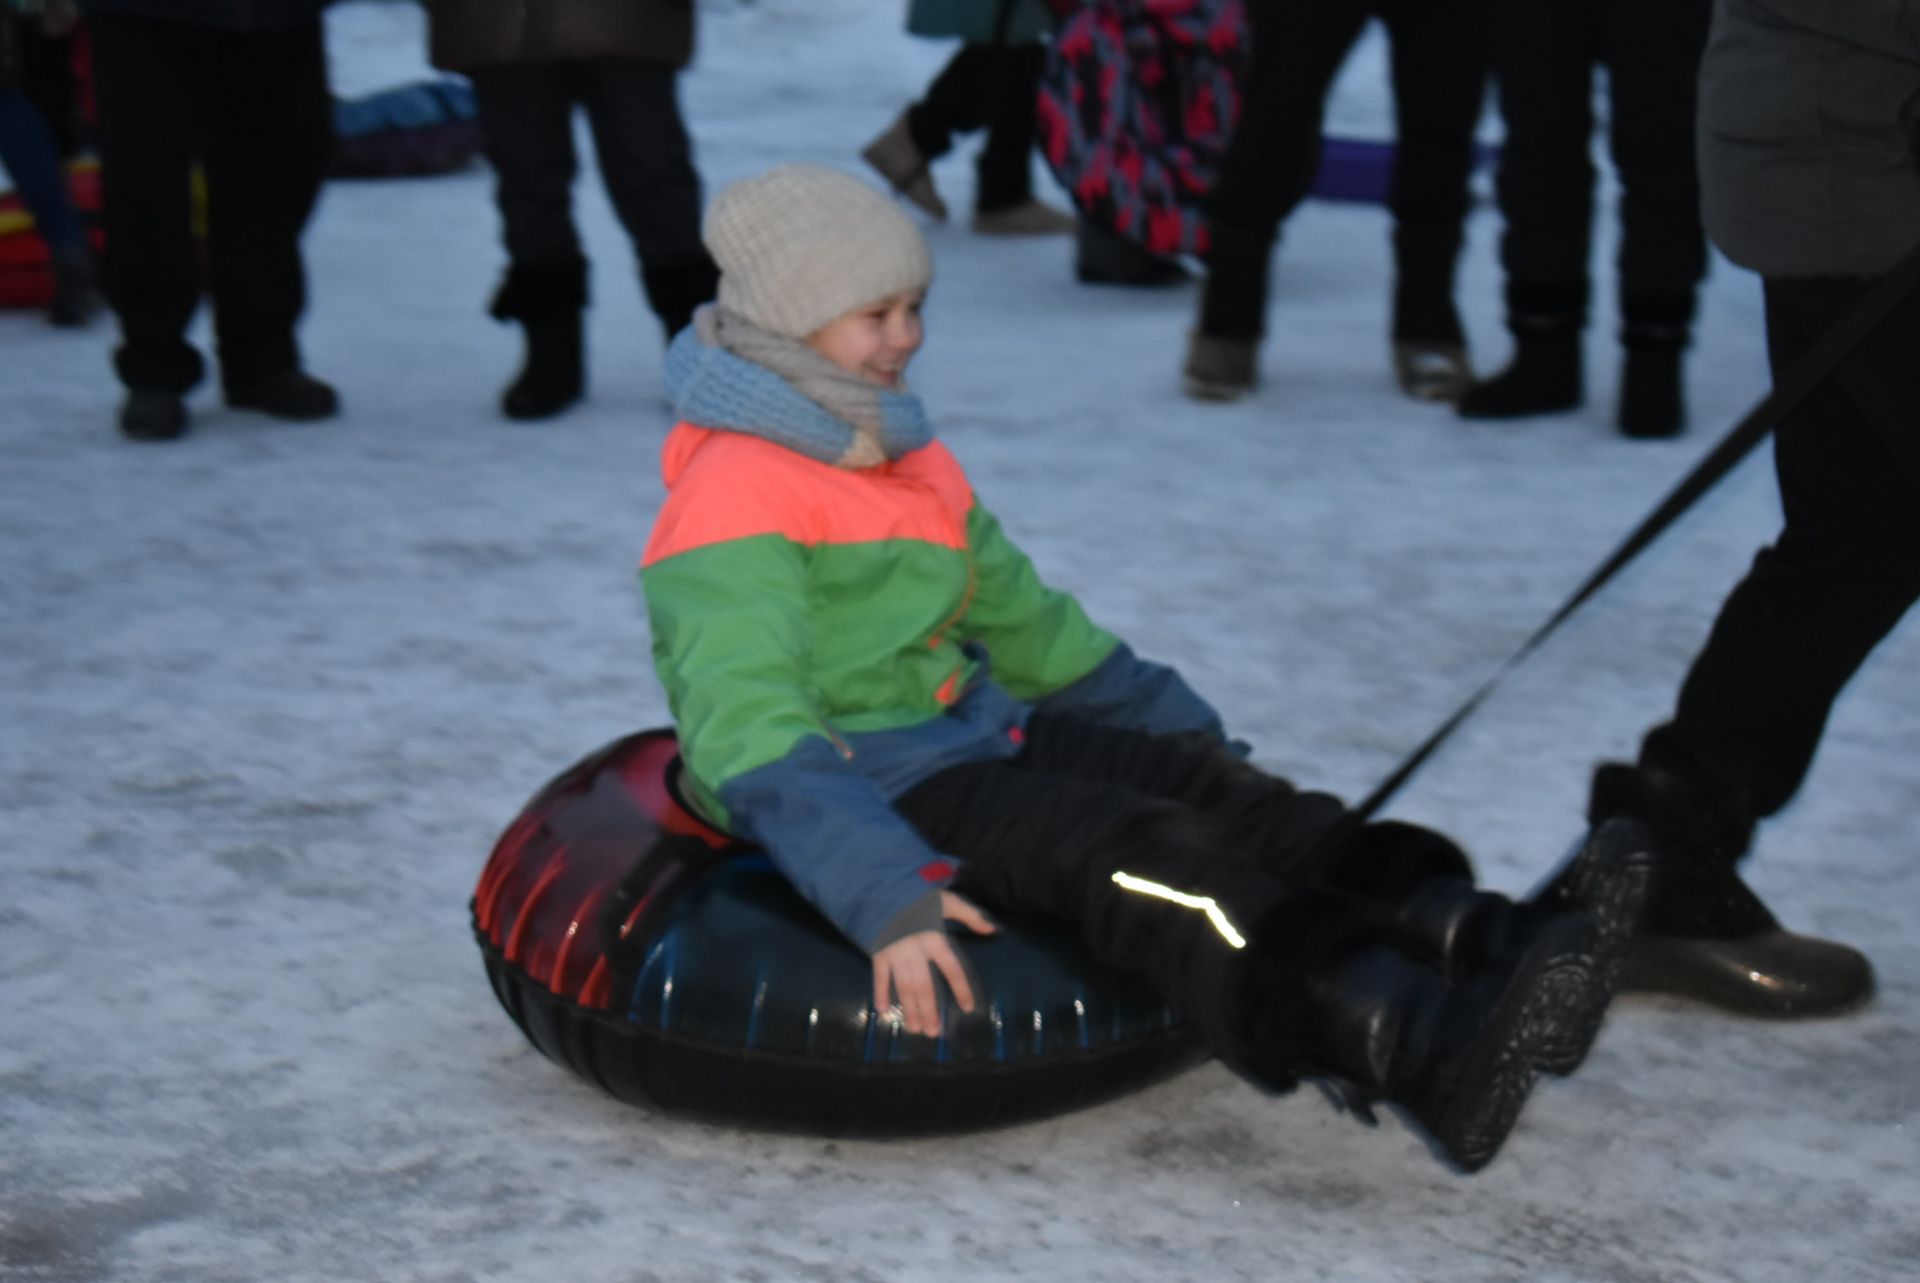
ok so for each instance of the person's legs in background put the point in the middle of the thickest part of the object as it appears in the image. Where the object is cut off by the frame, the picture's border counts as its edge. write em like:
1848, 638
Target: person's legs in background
151, 77
1439, 86
1653, 54
270, 131
646, 160
526, 116
1270, 162
1542, 54
1004, 203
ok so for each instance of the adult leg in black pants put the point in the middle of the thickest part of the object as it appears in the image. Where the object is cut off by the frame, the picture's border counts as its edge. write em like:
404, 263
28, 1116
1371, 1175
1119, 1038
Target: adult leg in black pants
1653, 55
1282, 975
1438, 56
1543, 54
987, 86
526, 117
252, 108
646, 161
1271, 160
269, 136
150, 75
1844, 570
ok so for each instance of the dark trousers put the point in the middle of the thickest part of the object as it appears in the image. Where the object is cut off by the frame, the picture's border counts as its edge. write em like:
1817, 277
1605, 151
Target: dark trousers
1438, 60
253, 110
1543, 55
1843, 572
991, 87
46, 77
1048, 831
646, 158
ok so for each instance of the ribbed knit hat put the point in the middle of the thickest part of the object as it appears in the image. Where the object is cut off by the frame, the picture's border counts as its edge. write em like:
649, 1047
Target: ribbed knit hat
801, 245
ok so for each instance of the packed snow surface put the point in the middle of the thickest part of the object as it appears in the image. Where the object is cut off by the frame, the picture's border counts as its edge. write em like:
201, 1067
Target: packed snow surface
267, 696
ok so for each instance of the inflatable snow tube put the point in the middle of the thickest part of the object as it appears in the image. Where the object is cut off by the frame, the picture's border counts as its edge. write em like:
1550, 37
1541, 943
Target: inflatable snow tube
680, 972
431, 127
26, 265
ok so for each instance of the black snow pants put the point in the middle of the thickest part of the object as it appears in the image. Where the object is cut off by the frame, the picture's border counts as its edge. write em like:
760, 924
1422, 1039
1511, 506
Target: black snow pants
1543, 54
252, 109
646, 162
1844, 570
1224, 887
1439, 77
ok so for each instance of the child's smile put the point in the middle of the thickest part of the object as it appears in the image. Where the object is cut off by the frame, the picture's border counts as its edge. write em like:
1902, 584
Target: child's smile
876, 340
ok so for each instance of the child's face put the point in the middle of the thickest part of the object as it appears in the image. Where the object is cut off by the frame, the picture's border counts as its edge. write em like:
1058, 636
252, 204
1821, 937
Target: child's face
875, 340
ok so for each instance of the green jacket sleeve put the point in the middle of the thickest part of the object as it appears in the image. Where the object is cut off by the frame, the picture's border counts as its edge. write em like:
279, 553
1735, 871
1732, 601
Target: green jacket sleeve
1039, 638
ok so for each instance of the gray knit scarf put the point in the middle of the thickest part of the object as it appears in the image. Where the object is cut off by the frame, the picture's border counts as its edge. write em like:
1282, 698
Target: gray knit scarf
866, 425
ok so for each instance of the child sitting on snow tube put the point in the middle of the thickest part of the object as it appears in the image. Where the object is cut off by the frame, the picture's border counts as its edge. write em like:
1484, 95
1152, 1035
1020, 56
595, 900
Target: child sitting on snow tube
870, 681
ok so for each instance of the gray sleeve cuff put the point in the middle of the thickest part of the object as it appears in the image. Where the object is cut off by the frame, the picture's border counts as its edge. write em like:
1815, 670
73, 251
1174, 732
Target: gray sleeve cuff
922, 914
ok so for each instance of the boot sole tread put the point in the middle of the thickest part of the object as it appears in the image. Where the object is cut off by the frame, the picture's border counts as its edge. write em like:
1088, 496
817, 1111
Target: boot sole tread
1551, 990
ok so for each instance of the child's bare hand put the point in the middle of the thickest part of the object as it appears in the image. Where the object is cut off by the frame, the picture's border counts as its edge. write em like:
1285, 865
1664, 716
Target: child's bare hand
904, 970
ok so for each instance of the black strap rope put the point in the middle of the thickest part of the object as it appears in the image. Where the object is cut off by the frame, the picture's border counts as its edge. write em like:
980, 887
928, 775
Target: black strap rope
1826, 355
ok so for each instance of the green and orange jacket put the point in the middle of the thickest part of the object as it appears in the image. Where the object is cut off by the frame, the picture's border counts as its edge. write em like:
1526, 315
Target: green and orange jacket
828, 637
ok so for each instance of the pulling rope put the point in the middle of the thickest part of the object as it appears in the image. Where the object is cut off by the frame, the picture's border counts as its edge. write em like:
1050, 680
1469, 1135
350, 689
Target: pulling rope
1841, 341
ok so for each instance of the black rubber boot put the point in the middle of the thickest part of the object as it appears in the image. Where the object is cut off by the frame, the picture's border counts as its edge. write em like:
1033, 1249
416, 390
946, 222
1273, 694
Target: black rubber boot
153, 414
1459, 1059
1654, 331
547, 299
676, 290
1706, 935
291, 394
1545, 375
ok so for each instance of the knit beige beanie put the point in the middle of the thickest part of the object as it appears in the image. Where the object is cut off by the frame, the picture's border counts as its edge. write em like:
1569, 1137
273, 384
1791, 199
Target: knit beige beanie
801, 245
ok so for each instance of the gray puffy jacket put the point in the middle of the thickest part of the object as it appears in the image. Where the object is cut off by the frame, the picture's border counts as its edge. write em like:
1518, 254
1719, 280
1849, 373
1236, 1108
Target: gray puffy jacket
1809, 123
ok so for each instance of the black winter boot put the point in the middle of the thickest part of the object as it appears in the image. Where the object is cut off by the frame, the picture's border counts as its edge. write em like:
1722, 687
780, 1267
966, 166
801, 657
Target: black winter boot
291, 394
547, 299
1706, 935
1654, 331
1545, 376
1434, 912
1459, 1059
153, 414
676, 290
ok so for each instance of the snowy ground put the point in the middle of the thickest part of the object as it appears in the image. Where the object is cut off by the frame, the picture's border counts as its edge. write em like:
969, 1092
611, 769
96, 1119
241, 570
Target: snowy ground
268, 695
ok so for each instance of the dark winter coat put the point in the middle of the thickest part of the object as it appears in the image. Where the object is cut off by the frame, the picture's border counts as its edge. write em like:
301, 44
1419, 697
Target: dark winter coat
471, 34
1809, 124
236, 15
